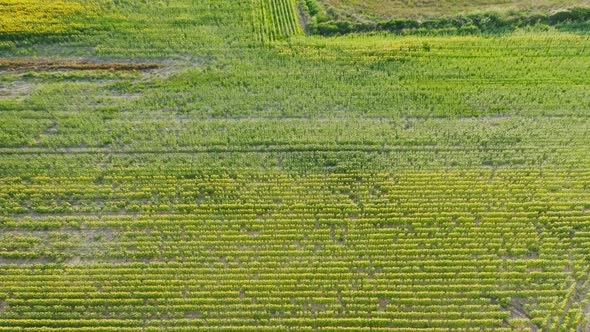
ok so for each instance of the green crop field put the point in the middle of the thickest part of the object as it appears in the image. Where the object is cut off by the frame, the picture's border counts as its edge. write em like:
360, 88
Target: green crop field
241, 165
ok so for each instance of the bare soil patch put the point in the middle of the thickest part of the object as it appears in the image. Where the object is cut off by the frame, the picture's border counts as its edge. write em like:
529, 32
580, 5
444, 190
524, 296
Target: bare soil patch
18, 65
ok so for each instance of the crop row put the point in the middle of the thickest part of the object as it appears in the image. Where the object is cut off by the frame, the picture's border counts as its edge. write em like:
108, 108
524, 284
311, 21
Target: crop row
275, 19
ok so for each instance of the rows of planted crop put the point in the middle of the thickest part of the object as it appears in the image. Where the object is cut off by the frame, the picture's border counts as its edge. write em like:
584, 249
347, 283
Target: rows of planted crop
305, 262
68, 146
398, 193
464, 249
96, 164
265, 281
128, 134
357, 183
275, 19
397, 249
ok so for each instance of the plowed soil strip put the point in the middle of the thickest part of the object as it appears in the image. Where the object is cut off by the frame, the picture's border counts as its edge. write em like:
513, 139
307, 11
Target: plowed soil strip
13, 65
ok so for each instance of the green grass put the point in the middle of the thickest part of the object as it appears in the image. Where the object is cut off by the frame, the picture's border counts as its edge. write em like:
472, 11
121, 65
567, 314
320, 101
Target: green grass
328, 20
263, 180
384, 9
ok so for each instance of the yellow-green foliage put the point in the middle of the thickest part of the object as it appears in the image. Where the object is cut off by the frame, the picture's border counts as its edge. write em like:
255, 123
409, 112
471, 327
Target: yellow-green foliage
166, 170
38, 16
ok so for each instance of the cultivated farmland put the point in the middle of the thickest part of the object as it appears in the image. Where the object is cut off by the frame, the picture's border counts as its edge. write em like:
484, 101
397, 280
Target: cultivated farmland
209, 165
